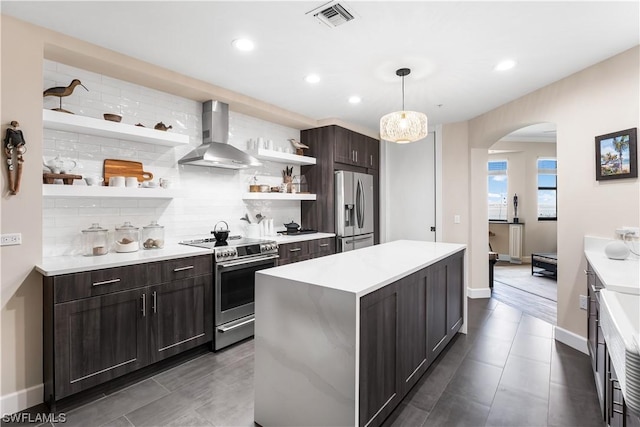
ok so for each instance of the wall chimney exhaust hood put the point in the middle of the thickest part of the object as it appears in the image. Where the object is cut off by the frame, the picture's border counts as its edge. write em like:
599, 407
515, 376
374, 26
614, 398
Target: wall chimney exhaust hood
215, 150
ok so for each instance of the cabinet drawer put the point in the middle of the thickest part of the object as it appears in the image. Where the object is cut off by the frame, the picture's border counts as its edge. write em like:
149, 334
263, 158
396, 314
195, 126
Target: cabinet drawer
292, 252
186, 267
100, 282
322, 247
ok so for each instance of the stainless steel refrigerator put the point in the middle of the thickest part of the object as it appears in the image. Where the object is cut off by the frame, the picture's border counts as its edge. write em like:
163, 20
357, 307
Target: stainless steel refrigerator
354, 210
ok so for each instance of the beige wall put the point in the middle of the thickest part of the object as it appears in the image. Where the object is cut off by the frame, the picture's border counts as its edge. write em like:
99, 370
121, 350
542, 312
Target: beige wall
600, 99
21, 294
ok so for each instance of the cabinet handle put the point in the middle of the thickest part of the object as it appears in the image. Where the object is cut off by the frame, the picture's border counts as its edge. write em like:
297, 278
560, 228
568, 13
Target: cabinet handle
356, 156
106, 282
155, 301
189, 267
370, 159
324, 245
295, 249
144, 305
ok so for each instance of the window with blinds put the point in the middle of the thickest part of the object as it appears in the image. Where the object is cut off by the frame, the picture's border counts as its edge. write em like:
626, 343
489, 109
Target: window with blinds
497, 197
547, 189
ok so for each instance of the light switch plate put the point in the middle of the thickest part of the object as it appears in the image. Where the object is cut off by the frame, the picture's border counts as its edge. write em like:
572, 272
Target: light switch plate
583, 302
456, 219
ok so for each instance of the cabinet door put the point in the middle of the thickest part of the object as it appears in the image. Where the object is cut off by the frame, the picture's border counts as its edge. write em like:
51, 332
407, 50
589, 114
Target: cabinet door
379, 382
412, 328
343, 150
181, 314
437, 329
455, 303
372, 153
98, 339
614, 399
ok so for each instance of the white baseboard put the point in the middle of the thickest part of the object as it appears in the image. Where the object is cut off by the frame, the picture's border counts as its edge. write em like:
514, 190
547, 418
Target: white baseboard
571, 339
475, 293
21, 399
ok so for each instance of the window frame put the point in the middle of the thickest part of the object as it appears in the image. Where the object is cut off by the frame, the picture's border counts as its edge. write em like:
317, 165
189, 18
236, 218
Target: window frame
547, 188
506, 174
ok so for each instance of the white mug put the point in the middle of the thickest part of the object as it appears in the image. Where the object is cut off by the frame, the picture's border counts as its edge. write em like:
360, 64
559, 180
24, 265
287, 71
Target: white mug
165, 183
131, 181
117, 181
93, 180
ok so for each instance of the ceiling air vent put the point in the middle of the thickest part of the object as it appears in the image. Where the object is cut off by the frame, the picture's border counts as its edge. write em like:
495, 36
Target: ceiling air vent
334, 15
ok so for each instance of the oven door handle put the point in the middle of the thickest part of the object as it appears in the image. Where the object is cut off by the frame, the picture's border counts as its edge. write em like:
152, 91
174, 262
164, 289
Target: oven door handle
246, 261
224, 329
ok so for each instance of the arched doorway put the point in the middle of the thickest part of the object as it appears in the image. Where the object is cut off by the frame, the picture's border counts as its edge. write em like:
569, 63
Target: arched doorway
522, 166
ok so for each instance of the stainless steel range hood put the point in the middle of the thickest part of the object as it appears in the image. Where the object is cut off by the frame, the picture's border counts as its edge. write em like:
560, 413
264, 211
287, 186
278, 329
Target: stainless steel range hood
215, 150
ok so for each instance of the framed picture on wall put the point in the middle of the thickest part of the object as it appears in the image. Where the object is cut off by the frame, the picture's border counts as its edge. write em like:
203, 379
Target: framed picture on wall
617, 155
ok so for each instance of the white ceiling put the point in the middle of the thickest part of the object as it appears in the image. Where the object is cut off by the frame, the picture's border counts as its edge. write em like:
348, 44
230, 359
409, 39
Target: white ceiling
451, 48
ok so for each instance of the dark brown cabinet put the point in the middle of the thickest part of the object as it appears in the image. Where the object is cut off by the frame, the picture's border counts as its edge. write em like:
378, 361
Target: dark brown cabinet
308, 249
181, 316
98, 339
412, 328
102, 324
336, 148
455, 292
437, 328
595, 338
614, 409
403, 328
379, 382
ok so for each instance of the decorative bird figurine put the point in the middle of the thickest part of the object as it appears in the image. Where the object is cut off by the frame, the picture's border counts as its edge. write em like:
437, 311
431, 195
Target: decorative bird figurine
61, 91
162, 126
299, 146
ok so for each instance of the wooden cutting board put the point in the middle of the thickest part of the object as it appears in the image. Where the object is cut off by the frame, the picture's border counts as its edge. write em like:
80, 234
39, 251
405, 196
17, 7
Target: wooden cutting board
114, 167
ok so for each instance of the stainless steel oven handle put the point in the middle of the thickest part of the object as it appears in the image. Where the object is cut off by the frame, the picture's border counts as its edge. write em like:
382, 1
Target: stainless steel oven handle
246, 261
224, 329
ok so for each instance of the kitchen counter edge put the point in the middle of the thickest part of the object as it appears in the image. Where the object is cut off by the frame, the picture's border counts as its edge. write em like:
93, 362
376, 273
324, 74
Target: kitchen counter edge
58, 265
378, 266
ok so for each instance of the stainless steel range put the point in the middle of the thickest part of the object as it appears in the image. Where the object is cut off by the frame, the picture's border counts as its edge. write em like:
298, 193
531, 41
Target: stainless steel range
235, 264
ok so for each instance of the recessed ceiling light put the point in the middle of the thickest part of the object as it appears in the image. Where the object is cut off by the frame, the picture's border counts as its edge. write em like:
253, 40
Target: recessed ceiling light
355, 99
505, 65
244, 45
312, 78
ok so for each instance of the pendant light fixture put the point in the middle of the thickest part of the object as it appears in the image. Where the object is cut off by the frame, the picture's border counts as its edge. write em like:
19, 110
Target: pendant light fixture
403, 126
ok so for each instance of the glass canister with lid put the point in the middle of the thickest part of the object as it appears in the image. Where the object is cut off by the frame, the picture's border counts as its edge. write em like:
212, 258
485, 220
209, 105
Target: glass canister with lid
95, 240
153, 236
127, 238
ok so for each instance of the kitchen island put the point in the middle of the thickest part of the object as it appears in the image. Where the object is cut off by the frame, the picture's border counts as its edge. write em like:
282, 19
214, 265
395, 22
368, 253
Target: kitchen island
339, 340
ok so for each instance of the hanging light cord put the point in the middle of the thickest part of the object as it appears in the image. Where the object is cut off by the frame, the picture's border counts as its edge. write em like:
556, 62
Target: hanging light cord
402, 93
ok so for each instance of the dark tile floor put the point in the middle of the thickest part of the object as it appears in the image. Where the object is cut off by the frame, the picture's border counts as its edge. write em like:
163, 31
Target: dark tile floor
508, 371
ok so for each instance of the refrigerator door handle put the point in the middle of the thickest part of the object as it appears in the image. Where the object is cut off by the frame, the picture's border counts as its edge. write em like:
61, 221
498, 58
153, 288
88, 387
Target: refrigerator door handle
361, 205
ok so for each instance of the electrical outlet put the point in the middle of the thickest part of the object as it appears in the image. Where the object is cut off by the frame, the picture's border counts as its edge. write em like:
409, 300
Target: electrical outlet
583, 302
11, 239
456, 219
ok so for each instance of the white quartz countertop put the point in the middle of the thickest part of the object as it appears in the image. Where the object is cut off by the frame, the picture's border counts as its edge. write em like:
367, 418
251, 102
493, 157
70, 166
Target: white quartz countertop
300, 237
54, 266
616, 275
364, 270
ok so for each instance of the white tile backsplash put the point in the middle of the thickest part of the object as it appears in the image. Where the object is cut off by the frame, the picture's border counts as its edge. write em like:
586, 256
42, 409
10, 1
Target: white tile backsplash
206, 195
